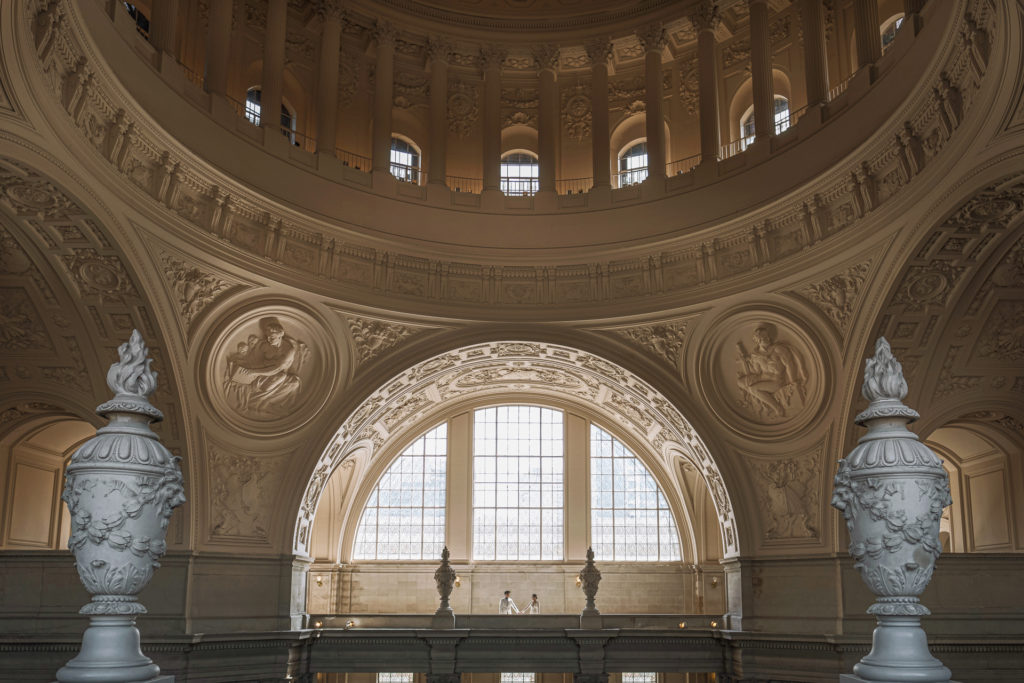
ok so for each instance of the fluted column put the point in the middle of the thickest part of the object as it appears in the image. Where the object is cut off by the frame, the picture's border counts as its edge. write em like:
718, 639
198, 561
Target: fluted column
272, 89
164, 27
869, 40
600, 51
653, 39
491, 58
705, 18
761, 70
546, 57
218, 47
383, 96
815, 58
327, 79
439, 51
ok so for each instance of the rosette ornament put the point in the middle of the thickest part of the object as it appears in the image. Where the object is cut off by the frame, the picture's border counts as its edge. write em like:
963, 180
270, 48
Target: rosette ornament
891, 489
120, 488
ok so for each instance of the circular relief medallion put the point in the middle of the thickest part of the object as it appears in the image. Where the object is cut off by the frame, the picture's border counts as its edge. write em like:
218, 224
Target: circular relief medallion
762, 374
269, 370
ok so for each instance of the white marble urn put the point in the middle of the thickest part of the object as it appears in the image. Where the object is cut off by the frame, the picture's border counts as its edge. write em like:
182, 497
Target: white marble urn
891, 490
120, 487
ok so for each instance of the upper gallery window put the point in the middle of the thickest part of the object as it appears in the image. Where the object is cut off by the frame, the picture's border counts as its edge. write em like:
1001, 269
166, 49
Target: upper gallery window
519, 173
781, 120
252, 113
394, 678
517, 483
633, 164
405, 515
629, 517
405, 160
517, 678
639, 677
889, 28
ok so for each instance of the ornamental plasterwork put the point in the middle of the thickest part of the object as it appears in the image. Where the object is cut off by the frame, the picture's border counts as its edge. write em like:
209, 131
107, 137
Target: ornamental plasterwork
374, 337
788, 492
663, 340
242, 493
463, 108
836, 296
21, 326
576, 113
498, 368
1002, 337
194, 289
155, 165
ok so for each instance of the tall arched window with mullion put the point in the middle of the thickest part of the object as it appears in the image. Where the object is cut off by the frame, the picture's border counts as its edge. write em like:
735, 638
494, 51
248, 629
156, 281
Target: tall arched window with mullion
633, 164
404, 516
518, 479
630, 520
520, 173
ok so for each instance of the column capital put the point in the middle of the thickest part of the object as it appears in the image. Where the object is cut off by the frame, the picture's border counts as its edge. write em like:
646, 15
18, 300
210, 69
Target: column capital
751, 3
599, 50
330, 9
439, 49
705, 16
492, 56
384, 33
653, 37
546, 56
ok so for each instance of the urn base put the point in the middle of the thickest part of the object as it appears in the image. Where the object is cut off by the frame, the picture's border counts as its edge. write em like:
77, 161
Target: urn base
110, 653
899, 654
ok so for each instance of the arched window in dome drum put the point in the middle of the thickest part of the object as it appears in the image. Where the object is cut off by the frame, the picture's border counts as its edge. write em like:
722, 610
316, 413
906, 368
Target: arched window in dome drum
781, 119
405, 160
520, 173
633, 164
889, 28
252, 113
404, 517
630, 520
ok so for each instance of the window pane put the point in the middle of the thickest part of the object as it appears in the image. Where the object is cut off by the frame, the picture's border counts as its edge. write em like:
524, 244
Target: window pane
630, 519
516, 678
404, 516
633, 165
517, 483
520, 173
395, 678
405, 161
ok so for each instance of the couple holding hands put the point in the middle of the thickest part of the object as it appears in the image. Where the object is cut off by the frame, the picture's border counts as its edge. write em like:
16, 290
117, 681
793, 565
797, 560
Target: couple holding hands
507, 606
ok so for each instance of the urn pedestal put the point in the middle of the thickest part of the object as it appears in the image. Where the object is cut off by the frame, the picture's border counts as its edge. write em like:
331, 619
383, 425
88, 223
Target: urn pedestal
120, 488
891, 489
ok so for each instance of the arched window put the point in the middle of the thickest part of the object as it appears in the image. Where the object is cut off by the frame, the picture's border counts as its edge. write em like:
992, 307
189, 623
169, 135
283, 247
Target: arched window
512, 677
518, 483
629, 517
889, 28
252, 113
394, 678
781, 116
405, 515
633, 164
405, 160
519, 173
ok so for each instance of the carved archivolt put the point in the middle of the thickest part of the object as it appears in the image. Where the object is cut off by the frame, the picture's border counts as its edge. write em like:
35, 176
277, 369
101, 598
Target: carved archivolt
498, 368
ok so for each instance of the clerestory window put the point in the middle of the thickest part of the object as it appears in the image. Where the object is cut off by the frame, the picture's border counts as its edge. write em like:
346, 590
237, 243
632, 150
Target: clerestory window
520, 173
633, 164
405, 160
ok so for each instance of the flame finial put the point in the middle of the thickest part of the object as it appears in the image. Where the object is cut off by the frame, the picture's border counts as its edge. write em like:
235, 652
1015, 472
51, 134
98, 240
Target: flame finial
884, 386
131, 374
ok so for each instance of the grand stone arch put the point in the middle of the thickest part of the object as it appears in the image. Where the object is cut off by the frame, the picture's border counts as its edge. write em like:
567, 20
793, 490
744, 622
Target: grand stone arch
499, 367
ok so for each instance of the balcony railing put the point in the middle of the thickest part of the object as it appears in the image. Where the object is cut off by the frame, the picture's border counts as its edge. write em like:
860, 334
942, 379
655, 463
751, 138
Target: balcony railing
684, 165
462, 184
632, 176
406, 172
574, 185
353, 160
520, 186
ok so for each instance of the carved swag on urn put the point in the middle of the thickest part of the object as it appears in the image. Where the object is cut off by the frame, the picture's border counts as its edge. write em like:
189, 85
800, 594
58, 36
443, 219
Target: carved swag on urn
120, 488
892, 489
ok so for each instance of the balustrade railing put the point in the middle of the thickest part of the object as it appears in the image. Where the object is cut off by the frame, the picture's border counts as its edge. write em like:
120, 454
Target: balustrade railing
731, 149
520, 186
839, 89
300, 140
574, 185
632, 176
463, 184
353, 160
192, 75
407, 173
681, 166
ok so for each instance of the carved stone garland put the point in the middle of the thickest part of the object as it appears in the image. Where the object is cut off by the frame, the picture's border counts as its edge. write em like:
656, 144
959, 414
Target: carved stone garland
121, 487
892, 489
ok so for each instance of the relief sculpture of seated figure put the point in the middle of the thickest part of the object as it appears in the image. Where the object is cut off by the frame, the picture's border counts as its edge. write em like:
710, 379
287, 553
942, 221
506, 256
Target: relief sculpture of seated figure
262, 374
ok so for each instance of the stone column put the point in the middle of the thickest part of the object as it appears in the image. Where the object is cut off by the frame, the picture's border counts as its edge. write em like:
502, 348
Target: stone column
912, 15
120, 488
546, 57
383, 96
761, 70
218, 47
653, 39
891, 490
327, 78
272, 89
439, 51
163, 32
812, 18
869, 40
705, 19
600, 51
491, 59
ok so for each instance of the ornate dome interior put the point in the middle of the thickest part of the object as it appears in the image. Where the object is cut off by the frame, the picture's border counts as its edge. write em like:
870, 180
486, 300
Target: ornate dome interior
515, 279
